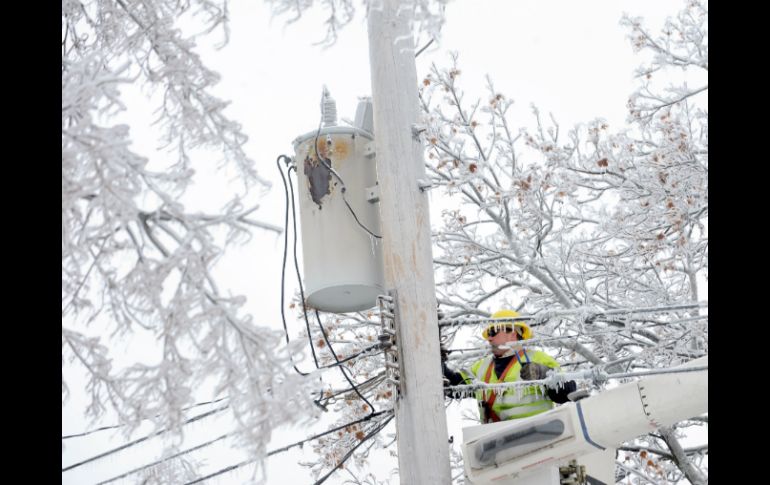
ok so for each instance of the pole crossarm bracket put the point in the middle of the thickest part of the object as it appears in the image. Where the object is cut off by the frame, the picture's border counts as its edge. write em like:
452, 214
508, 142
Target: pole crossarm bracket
387, 337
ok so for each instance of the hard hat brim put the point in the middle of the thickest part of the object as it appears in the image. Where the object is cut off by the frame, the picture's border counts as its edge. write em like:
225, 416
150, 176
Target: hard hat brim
526, 333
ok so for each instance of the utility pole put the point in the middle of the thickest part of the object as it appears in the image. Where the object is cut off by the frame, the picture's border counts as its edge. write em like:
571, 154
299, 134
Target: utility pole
423, 449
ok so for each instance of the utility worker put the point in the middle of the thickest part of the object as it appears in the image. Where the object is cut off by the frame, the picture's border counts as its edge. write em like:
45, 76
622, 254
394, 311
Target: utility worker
510, 362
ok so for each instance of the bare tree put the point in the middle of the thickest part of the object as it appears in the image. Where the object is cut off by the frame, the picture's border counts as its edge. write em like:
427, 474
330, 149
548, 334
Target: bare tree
577, 229
601, 234
136, 263
585, 225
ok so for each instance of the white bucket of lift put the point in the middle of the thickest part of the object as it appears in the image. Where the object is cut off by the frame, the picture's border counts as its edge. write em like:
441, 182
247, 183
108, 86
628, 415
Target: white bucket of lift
342, 261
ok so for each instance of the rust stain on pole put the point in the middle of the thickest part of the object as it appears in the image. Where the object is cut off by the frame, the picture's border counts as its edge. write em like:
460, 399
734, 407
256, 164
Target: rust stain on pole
398, 267
422, 322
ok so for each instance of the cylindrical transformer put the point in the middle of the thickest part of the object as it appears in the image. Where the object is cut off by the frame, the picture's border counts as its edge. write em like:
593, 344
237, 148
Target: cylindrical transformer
342, 260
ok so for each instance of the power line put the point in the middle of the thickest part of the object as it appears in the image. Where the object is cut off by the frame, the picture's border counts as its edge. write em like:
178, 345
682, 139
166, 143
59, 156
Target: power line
145, 438
222, 471
587, 313
424, 47
115, 426
319, 435
292, 445
377, 346
176, 455
378, 377
352, 450
555, 379
547, 340
211, 442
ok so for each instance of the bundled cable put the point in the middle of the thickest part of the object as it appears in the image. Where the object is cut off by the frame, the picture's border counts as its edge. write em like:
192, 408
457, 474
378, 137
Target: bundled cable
287, 160
289, 196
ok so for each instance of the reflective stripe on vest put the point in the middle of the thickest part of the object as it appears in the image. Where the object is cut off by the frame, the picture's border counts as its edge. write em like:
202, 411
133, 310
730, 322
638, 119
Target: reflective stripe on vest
489, 402
526, 410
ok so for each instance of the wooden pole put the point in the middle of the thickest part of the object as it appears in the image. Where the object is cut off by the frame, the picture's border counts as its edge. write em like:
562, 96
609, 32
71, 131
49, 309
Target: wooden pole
423, 449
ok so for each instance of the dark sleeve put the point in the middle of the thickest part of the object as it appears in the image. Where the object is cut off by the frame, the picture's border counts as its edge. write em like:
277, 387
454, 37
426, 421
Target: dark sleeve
559, 395
454, 378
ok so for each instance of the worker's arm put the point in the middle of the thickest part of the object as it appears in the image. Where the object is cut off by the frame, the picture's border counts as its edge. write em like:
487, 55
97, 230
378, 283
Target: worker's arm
559, 395
451, 378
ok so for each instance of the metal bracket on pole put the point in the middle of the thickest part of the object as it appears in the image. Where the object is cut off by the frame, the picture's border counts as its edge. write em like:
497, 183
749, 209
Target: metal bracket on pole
417, 130
388, 341
424, 184
373, 194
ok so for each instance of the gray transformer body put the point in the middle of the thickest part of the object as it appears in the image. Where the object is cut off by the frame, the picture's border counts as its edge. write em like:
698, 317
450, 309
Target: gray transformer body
342, 261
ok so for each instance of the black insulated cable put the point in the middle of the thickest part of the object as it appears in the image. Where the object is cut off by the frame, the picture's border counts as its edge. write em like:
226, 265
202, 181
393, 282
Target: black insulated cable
327, 164
287, 160
342, 369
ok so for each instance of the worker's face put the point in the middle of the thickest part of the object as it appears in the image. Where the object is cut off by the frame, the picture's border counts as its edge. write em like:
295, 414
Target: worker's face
501, 339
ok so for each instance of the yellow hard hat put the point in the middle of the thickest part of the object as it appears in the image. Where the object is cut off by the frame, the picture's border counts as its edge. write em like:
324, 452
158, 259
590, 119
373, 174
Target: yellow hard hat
526, 332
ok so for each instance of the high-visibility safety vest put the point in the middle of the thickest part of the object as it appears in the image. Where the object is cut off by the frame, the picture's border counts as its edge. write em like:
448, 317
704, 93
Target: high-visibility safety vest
513, 403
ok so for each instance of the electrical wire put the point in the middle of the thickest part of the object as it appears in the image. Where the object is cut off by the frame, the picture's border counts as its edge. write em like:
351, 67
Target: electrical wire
424, 47
292, 445
342, 369
352, 450
329, 397
451, 322
287, 159
356, 355
289, 189
547, 340
168, 458
302, 296
597, 376
290, 194
219, 438
327, 164
144, 438
338, 362
311, 438
304, 307
296, 267
115, 426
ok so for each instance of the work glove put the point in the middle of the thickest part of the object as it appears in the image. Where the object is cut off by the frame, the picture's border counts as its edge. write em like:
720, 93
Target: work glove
444, 354
532, 371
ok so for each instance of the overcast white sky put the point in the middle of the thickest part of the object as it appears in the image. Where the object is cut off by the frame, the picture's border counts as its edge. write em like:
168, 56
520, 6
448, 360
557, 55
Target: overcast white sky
570, 58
